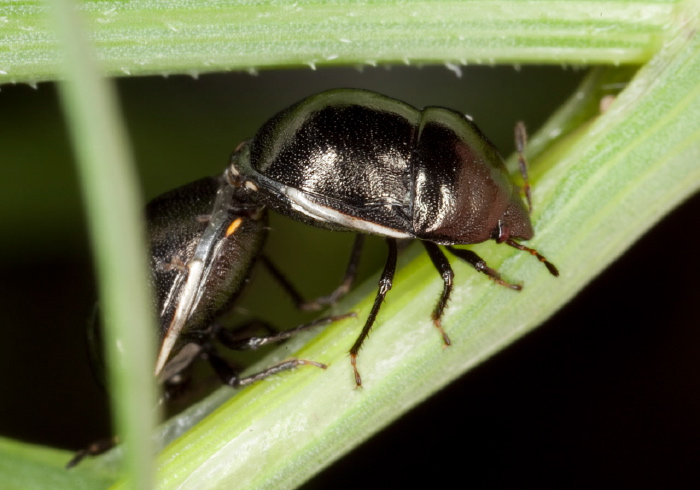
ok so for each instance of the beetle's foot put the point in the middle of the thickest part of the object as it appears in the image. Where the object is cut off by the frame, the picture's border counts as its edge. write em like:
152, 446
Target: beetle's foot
97, 447
495, 276
358, 378
445, 338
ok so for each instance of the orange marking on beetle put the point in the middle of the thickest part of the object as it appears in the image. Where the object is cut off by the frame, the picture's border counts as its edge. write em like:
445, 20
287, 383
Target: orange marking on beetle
235, 224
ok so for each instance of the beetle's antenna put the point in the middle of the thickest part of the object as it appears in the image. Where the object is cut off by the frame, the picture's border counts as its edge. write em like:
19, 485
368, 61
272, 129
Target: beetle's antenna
550, 267
480, 265
520, 143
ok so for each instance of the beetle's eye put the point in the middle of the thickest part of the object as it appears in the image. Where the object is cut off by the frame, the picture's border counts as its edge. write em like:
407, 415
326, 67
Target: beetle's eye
503, 232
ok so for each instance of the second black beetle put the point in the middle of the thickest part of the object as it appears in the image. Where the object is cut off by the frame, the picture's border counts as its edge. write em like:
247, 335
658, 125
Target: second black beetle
355, 160
204, 239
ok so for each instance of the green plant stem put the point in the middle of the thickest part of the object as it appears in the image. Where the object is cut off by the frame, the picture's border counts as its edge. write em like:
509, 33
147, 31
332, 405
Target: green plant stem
613, 179
142, 37
28, 467
114, 213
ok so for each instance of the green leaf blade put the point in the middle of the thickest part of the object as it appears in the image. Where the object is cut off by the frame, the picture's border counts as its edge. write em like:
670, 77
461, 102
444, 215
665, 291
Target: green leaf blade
26, 467
142, 37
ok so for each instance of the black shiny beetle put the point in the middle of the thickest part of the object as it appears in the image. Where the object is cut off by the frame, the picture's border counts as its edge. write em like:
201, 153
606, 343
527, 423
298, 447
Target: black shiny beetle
204, 239
355, 160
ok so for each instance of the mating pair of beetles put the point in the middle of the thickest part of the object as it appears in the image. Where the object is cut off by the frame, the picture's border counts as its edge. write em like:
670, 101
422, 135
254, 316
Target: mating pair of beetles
345, 160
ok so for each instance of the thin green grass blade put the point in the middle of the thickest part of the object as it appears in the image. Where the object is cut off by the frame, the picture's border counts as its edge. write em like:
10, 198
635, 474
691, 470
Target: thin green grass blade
142, 37
114, 213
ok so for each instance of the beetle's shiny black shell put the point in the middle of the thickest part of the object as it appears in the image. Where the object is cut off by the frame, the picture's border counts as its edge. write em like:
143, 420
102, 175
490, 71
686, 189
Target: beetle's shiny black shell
177, 221
357, 160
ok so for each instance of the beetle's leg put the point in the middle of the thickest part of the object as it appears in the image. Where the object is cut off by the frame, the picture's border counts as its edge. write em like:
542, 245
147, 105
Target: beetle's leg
95, 448
443, 267
334, 297
233, 339
282, 280
277, 368
346, 283
520, 143
385, 283
175, 386
550, 267
229, 376
480, 265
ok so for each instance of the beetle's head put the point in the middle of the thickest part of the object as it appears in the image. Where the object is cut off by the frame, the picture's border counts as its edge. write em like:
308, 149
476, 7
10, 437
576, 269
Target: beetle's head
238, 170
515, 222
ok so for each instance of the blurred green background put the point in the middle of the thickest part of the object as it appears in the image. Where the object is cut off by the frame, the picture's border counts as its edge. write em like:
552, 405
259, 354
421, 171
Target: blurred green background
610, 383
